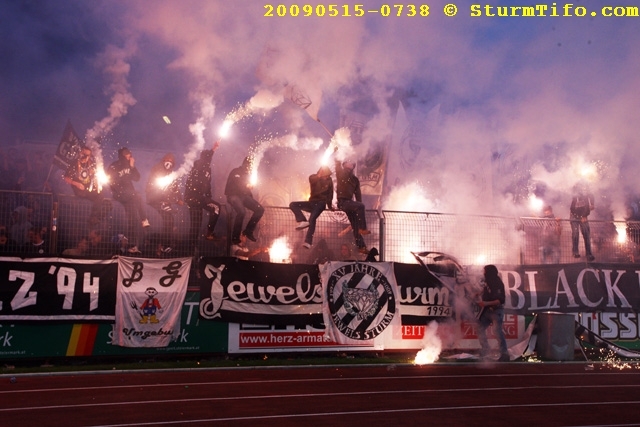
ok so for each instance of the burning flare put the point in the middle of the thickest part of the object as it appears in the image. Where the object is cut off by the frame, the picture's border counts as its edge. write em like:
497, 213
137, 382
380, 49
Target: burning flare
432, 346
280, 251
164, 181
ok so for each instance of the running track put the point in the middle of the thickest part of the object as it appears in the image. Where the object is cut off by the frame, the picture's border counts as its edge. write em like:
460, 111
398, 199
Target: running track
467, 394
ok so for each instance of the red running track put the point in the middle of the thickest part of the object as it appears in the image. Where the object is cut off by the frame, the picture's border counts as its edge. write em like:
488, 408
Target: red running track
509, 394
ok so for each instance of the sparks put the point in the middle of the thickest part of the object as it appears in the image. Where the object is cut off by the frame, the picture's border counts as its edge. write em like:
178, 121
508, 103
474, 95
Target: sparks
589, 172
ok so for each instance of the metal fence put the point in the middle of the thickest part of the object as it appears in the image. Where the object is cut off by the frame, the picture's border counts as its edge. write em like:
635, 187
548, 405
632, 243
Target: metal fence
473, 240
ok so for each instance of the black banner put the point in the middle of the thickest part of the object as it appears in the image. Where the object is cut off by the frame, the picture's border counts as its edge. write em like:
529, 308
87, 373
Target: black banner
423, 296
58, 289
236, 291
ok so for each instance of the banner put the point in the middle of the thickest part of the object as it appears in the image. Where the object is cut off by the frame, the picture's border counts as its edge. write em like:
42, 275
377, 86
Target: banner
360, 300
423, 297
237, 291
68, 149
572, 288
57, 289
150, 295
248, 292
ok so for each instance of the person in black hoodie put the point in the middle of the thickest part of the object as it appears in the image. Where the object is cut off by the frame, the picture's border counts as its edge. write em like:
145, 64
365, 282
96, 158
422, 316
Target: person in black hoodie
492, 312
348, 189
582, 204
122, 173
321, 186
162, 193
197, 195
238, 192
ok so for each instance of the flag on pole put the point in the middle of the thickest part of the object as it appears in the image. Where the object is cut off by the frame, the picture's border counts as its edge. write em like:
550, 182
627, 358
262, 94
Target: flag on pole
69, 147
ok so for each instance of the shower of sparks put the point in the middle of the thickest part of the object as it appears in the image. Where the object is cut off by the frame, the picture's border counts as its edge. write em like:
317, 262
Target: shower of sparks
611, 360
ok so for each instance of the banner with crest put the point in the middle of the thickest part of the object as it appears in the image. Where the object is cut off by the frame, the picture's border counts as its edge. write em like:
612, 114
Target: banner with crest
360, 300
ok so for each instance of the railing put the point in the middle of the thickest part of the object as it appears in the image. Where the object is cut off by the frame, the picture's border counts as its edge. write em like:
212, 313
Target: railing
471, 239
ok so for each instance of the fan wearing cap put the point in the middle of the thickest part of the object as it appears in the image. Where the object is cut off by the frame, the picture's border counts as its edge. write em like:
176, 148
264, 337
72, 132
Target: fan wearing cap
162, 193
122, 174
239, 196
348, 189
198, 196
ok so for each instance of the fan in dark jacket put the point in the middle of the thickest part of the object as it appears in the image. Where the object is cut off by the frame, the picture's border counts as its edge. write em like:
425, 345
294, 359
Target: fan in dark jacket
197, 195
162, 193
348, 189
321, 186
122, 174
238, 192
492, 312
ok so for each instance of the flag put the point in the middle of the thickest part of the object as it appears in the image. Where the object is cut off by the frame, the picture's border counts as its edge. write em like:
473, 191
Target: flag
149, 298
372, 167
69, 147
304, 100
360, 300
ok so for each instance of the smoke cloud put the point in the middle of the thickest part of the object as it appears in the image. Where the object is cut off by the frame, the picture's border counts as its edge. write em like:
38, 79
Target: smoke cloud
476, 114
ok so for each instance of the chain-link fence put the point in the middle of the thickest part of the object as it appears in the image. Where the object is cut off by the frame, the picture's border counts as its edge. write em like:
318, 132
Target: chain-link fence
66, 230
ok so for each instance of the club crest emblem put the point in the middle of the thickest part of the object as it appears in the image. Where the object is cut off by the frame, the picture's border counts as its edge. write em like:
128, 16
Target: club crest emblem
361, 300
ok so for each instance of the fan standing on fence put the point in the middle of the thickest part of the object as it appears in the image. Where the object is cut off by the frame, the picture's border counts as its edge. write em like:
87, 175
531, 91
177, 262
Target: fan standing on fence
581, 206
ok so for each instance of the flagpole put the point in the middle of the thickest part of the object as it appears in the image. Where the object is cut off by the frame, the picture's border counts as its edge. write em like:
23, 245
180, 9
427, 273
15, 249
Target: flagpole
324, 127
46, 181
